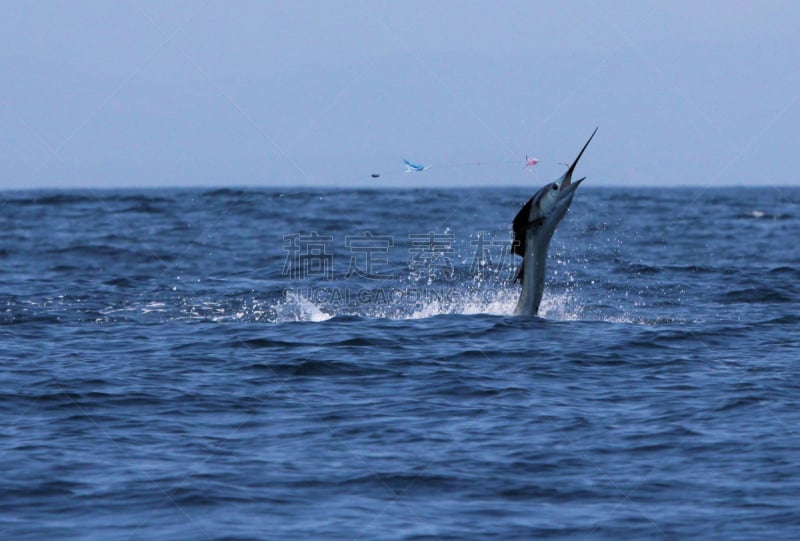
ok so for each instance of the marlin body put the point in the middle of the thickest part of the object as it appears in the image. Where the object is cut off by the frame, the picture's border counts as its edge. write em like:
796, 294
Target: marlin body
533, 227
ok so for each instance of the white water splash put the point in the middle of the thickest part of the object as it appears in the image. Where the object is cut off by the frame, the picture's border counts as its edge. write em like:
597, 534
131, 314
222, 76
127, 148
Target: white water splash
295, 307
498, 303
560, 307
473, 297
469, 300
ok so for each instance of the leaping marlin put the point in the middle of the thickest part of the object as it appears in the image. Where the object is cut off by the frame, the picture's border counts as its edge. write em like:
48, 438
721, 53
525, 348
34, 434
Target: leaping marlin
533, 227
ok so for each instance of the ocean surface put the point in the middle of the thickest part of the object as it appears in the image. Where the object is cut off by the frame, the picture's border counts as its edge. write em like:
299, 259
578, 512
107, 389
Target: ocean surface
344, 364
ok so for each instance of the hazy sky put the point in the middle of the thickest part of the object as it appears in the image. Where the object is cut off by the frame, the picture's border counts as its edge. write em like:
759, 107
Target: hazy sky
107, 94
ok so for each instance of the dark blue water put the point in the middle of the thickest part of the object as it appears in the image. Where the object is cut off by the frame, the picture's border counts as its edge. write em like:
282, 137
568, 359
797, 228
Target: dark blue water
256, 364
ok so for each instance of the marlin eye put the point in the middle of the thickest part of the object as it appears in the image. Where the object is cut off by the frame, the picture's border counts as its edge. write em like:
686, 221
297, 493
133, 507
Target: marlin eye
555, 186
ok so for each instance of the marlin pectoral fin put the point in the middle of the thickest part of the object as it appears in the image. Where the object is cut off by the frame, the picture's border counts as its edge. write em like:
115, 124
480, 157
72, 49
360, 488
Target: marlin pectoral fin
519, 274
520, 226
